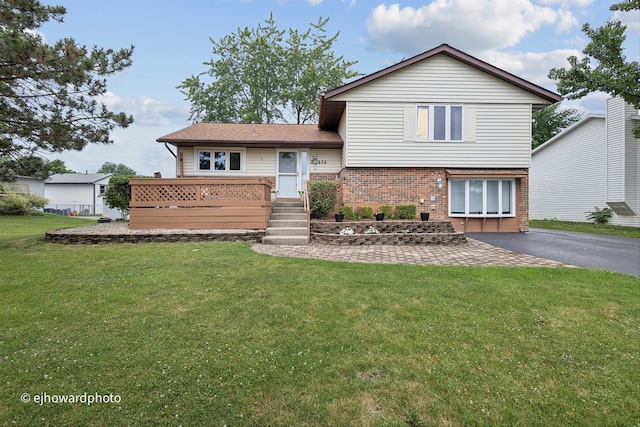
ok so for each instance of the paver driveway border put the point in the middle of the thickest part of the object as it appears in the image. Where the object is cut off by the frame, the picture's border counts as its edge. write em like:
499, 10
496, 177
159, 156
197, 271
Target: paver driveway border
472, 253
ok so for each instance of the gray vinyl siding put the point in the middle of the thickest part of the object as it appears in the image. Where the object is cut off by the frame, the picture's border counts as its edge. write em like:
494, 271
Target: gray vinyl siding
440, 79
376, 137
260, 162
496, 119
615, 156
567, 178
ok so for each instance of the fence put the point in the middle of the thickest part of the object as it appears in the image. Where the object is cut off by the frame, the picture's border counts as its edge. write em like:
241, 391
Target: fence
199, 203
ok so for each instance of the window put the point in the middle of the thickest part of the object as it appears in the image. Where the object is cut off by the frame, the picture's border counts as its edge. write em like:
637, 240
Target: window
481, 197
103, 189
439, 123
219, 161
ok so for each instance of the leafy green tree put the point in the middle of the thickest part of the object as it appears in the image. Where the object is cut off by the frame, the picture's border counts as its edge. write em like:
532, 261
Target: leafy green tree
118, 194
119, 169
48, 92
259, 77
548, 122
58, 166
611, 73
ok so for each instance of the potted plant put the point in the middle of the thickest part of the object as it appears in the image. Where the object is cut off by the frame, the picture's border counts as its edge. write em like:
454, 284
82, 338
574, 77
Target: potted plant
339, 217
274, 195
424, 216
380, 216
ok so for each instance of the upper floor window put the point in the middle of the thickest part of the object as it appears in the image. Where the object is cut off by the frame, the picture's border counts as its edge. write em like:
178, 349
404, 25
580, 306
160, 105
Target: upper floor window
439, 123
220, 160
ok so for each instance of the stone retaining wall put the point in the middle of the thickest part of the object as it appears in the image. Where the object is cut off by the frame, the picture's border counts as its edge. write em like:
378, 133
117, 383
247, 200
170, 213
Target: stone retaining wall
92, 239
391, 233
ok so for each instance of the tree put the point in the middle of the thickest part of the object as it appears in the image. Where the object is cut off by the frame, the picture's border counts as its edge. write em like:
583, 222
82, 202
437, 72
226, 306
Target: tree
48, 92
119, 169
118, 194
611, 73
258, 77
548, 122
58, 166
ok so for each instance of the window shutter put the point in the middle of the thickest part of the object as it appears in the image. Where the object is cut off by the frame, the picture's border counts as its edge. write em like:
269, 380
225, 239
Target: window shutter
409, 122
469, 123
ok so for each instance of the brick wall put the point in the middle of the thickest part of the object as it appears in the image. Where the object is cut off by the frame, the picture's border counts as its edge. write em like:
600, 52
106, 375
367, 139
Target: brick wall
523, 203
396, 186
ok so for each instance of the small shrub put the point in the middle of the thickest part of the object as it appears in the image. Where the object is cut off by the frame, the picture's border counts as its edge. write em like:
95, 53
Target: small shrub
118, 194
600, 216
365, 212
322, 197
386, 210
406, 211
20, 204
348, 213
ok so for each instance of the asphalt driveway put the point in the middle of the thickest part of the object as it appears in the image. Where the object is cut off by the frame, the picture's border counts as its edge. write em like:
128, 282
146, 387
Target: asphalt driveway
621, 254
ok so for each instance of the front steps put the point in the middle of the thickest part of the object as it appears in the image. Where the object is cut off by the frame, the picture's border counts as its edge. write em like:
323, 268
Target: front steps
289, 225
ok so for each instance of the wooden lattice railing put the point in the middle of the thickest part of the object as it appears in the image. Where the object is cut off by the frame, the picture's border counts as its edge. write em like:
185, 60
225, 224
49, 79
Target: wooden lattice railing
199, 192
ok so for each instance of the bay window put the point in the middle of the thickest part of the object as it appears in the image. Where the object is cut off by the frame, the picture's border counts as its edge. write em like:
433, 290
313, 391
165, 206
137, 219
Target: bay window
482, 197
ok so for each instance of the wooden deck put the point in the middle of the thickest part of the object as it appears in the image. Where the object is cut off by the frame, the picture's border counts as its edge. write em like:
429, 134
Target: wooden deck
199, 203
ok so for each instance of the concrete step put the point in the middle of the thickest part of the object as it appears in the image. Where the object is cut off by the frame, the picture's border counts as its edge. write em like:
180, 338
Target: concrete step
286, 231
289, 216
285, 240
288, 209
288, 223
289, 204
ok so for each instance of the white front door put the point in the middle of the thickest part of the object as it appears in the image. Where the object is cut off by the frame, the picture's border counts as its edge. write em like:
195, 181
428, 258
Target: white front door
287, 174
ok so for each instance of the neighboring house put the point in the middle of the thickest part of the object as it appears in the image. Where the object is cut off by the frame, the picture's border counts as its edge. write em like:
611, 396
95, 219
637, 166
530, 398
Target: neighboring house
25, 184
442, 130
82, 194
594, 163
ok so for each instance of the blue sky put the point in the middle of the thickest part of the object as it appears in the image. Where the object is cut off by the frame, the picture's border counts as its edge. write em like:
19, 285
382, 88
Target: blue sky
172, 40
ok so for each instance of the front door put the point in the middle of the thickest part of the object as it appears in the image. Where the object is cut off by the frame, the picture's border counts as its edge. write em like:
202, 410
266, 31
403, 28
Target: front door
287, 177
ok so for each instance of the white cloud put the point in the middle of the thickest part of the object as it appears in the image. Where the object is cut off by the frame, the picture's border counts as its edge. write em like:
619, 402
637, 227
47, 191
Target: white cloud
631, 19
533, 67
472, 26
566, 3
146, 111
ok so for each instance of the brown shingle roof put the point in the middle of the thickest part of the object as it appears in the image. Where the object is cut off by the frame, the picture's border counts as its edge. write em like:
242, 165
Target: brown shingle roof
254, 135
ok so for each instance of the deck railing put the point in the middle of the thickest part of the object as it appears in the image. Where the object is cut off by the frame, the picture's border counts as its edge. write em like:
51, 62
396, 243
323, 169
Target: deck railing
218, 202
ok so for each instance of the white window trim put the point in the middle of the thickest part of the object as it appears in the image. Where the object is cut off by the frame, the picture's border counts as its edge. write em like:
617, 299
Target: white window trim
431, 108
466, 214
227, 150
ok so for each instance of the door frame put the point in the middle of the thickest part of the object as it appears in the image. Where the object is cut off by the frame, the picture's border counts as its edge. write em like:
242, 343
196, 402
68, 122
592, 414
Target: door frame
302, 166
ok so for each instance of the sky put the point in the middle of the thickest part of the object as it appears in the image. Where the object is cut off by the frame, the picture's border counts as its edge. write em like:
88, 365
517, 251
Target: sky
172, 40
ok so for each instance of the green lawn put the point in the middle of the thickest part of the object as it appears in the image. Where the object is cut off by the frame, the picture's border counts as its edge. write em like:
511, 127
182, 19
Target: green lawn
214, 334
586, 227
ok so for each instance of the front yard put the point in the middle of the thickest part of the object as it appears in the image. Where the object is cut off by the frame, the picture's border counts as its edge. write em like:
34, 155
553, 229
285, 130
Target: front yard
215, 334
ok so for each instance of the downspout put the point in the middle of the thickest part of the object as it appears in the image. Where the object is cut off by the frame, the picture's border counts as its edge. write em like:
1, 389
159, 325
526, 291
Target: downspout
175, 157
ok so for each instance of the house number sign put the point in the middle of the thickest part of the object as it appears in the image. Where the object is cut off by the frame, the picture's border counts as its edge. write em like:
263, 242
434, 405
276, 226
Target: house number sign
316, 161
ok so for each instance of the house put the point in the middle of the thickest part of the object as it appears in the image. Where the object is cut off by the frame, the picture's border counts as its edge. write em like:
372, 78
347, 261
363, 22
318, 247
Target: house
76, 193
442, 130
593, 163
25, 184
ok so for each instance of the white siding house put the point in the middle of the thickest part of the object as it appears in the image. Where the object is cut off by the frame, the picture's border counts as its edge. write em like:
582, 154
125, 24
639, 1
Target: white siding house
80, 194
594, 163
442, 130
